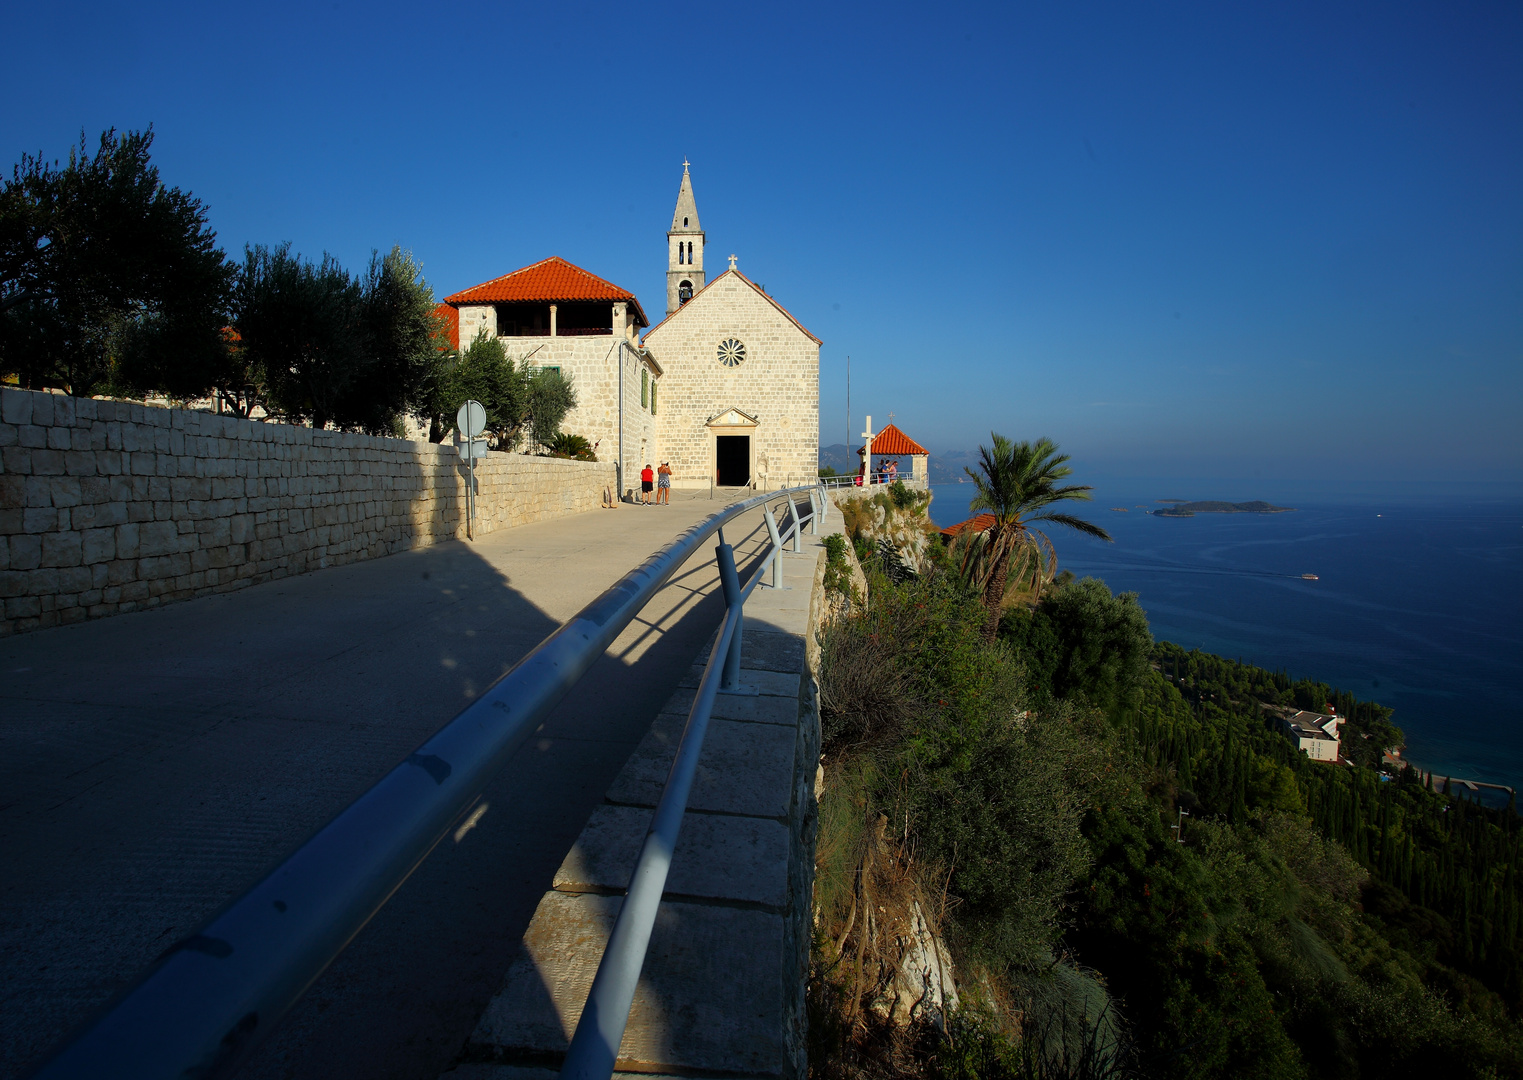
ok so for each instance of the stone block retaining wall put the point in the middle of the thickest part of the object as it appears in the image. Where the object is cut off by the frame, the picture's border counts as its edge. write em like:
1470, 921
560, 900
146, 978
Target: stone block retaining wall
108, 507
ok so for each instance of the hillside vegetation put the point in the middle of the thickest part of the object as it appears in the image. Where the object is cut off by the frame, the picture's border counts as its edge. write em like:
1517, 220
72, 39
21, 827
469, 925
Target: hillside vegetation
1132, 872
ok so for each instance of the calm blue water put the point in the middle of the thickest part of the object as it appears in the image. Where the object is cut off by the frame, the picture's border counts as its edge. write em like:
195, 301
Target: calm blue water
1417, 606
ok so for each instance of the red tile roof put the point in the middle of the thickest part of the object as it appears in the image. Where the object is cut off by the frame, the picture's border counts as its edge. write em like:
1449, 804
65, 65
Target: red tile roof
451, 319
893, 441
762, 292
977, 524
548, 281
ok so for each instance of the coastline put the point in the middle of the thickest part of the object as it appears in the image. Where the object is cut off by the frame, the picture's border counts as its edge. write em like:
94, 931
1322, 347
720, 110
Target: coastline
1446, 657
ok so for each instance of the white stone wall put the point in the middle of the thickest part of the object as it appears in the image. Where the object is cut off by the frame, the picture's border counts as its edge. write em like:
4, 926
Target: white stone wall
592, 363
108, 507
779, 384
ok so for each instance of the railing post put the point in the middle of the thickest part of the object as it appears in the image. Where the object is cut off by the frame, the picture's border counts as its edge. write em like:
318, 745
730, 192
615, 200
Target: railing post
798, 524
777, 550
816, 501
729, 581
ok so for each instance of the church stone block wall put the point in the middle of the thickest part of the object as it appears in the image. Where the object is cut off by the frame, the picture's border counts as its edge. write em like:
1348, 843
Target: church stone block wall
108, 507
779, 384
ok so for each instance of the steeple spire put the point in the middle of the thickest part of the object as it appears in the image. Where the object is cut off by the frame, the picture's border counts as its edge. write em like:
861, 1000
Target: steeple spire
684, 247
685, 217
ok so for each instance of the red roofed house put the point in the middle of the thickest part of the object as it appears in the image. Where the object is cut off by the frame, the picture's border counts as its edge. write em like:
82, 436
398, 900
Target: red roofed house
893, 443
977, 523
557, 315
738, 376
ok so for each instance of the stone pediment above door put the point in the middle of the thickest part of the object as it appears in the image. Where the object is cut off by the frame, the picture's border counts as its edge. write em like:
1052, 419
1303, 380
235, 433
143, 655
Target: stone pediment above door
732, 418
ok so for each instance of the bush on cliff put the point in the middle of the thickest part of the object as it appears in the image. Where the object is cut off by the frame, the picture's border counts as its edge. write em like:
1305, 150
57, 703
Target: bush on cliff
1276, 936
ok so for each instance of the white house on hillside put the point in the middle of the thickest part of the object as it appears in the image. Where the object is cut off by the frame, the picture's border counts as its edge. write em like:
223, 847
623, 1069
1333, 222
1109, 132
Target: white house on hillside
1316, 734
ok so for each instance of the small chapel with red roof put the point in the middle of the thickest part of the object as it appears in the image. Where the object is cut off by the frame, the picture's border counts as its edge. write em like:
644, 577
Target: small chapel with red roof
726, 387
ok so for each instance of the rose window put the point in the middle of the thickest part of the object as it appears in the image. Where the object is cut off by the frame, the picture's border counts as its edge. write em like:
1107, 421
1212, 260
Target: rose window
732, 353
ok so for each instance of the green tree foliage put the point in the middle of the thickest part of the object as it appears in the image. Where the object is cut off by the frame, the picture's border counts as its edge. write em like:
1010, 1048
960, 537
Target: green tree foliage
522, 403
993, 792
331, 348
1081, 640
485, 373
109, 278
1019, 483
1310, 919
551, 396
303, 324
403, 348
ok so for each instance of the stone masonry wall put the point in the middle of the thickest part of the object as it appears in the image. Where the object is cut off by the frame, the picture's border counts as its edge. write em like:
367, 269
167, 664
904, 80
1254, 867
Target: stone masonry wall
108, 507
591, 362
779, 383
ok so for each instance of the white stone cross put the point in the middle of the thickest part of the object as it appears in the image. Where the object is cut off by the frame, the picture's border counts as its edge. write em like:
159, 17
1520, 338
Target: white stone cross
732, 262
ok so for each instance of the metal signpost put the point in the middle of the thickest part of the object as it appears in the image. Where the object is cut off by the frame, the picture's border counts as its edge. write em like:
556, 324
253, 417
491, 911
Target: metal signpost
471, 421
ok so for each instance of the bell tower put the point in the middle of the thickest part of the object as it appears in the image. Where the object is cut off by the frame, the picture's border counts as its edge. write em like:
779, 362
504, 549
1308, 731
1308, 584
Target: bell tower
684, 248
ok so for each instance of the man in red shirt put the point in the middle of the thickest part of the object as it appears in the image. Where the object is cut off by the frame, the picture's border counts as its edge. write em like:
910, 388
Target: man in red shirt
647, 481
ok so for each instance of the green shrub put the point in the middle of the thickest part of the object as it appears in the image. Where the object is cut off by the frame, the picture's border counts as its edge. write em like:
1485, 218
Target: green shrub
838, 578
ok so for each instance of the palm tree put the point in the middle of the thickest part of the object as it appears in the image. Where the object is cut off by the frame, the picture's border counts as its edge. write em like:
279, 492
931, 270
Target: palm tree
1020, 482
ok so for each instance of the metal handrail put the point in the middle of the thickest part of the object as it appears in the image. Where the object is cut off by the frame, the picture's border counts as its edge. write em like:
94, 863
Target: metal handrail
873, 480
204, 1004
593, 1053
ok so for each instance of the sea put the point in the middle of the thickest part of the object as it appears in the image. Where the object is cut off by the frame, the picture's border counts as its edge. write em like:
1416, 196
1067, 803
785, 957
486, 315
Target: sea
1417, 602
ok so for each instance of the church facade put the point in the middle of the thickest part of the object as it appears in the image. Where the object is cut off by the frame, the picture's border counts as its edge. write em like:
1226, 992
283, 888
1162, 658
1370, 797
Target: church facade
726, 387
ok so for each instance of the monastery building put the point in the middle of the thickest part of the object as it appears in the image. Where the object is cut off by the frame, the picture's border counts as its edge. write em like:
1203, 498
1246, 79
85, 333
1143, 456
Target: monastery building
726, 387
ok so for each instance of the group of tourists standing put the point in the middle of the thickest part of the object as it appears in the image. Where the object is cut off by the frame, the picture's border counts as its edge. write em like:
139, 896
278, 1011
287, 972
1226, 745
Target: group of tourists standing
661, 480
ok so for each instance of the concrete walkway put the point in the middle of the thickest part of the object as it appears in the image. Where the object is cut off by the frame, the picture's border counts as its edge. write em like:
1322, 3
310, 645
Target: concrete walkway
153, 765
721, 992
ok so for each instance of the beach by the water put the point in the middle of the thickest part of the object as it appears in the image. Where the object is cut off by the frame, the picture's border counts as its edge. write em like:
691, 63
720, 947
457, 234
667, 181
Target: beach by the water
1417, 604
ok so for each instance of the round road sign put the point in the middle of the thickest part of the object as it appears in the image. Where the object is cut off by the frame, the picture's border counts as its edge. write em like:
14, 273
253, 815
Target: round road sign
471, 419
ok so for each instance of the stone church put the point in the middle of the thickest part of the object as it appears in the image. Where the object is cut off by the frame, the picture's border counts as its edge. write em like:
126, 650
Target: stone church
726, 387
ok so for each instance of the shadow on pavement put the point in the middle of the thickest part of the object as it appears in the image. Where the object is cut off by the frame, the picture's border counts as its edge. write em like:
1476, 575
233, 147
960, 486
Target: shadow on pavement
153, 765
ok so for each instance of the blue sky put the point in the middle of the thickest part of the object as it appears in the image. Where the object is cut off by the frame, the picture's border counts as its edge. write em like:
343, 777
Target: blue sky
1273, 241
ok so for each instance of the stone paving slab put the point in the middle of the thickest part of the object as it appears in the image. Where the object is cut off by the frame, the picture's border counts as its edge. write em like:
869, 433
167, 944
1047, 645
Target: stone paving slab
744, 769
718, 856
766, 683
689, 1012
766, 650
752, 708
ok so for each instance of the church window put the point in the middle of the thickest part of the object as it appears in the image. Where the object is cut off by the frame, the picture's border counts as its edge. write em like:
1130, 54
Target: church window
684, 292
653, 385
684, 223
644, 388
732, 352
690, 253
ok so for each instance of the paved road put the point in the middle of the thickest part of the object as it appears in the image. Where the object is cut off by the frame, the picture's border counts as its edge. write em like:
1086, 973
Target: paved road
153, 765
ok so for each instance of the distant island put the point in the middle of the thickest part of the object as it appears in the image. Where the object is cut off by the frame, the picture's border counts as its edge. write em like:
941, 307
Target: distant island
1181, 508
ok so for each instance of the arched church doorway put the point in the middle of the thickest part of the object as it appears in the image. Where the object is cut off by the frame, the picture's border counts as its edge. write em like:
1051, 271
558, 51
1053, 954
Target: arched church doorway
732, 460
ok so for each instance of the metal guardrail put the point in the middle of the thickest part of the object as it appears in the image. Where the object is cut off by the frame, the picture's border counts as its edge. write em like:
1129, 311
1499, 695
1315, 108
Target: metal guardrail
856, 480
207, 1001
595, 1045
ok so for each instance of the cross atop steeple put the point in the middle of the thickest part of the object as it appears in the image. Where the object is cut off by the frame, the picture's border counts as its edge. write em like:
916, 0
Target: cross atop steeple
732, 262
